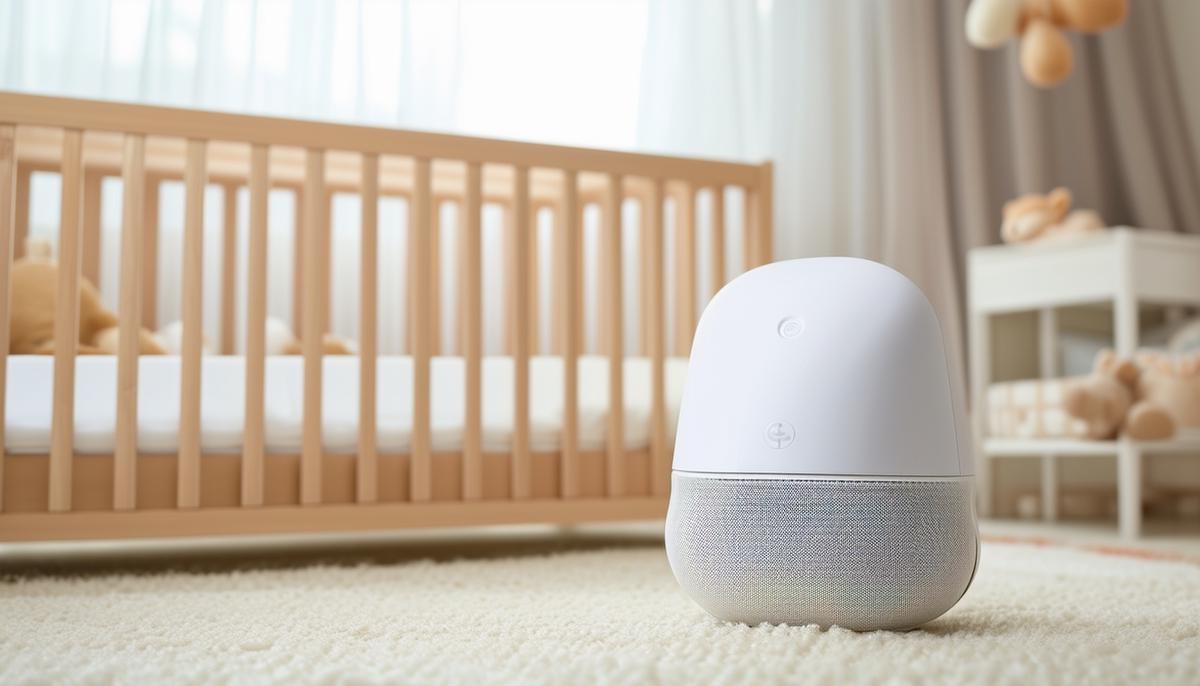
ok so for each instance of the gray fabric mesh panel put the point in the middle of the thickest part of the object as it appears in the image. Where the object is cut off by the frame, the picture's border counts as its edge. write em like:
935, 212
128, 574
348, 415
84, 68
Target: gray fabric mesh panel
859, 554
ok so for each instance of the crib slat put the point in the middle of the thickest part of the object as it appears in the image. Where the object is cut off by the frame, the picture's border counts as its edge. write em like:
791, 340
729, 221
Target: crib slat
367, 489
228, 264
558, 277
435, 279
509, 287
717, 254
764, 213
518, 235
92, 212
660, 467
298, 262
316, 246
613, 230
326, 262
21, 211
66, 324
685, 270
150, 254
580, 299
195, 178
421, 470
570, 334
473, 336
460, 277
133, 181
645, 217
532, 239
253, 445
749, 245
8, 165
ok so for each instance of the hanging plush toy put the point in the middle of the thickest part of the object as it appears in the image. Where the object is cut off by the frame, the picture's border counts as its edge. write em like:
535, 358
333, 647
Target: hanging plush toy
1046, 55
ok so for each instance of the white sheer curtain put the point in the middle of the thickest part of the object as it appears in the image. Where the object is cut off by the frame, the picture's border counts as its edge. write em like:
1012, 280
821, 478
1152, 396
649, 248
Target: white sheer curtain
550, 71
527, 69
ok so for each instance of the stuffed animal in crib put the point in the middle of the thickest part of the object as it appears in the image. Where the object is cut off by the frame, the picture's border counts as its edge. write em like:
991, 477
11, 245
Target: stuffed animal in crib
1046, 56
171, 336
1041, 217
34, 299
1121, 397
279, 340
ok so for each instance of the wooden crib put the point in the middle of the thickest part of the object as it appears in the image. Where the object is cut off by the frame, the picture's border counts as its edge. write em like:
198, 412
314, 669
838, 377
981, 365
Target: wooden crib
132, 493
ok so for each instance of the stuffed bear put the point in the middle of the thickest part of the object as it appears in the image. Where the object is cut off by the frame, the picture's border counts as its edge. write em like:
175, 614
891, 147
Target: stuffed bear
1173, 382
1046, 56
34, 297
1119, 397
1038, 217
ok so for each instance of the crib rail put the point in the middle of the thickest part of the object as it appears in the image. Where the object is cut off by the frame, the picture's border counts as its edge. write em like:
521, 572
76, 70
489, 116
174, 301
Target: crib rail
65, 495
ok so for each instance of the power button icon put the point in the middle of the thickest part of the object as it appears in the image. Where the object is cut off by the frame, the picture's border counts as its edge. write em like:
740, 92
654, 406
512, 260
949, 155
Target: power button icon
780, 435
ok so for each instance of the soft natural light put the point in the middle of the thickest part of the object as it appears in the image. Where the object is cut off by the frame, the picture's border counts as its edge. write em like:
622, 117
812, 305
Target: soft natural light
533, 70
577, 83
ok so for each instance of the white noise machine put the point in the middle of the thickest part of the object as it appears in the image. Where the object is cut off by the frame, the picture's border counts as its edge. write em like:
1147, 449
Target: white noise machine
822, 473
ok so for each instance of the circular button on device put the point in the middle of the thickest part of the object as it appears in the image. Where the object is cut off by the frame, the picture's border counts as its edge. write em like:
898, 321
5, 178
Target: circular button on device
790, 327
780, 435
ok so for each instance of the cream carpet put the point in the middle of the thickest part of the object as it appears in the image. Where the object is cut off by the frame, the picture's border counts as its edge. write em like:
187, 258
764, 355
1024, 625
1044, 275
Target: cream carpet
613, 616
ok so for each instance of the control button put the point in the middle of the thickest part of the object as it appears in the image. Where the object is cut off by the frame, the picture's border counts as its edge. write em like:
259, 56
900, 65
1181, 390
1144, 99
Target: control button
790, 327
780, 435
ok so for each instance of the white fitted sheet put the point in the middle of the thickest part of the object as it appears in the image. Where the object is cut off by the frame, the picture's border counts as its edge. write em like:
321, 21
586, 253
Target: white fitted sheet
30, 383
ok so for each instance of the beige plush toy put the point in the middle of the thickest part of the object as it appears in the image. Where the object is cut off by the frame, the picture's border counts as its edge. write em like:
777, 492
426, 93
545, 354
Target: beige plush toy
1039, 217
34, 298
1046, 56
171, 336
1119, 398
1173, 382
279, 340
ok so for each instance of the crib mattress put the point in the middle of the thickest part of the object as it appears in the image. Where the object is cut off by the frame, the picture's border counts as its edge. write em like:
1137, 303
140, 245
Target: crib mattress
30, 377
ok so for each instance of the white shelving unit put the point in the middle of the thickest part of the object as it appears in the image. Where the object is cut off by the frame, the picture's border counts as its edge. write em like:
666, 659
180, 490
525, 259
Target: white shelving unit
1123, 267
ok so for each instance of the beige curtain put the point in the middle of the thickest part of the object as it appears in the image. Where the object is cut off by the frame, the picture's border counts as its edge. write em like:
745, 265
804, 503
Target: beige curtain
895, 140
1116, 133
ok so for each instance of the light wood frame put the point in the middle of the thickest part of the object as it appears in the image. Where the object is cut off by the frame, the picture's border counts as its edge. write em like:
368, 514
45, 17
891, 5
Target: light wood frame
130, 493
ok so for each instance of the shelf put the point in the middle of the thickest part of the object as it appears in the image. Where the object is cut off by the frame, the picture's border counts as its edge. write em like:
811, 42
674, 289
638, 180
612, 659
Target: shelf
1015, 447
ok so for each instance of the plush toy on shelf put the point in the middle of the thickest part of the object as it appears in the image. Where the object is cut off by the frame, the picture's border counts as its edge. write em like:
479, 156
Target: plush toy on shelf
1046, 55
34, 299
1039, 217
1147, 400
1173, 382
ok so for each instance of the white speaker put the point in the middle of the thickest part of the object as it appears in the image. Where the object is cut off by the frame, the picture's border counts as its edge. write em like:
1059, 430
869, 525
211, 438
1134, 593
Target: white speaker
822, 474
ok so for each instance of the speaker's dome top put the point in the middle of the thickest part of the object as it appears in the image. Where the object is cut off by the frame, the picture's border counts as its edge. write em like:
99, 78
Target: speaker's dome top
830, 365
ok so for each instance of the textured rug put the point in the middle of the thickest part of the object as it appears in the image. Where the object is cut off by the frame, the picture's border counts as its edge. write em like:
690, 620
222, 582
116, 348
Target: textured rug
1035, 614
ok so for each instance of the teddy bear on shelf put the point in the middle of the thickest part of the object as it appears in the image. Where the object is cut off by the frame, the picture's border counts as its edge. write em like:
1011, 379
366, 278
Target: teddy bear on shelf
1122, 397
1039, 217
1173, 382
34, 299
1046, 55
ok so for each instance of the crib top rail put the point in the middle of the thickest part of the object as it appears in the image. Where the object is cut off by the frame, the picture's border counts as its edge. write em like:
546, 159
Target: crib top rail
94, 115
39, 148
